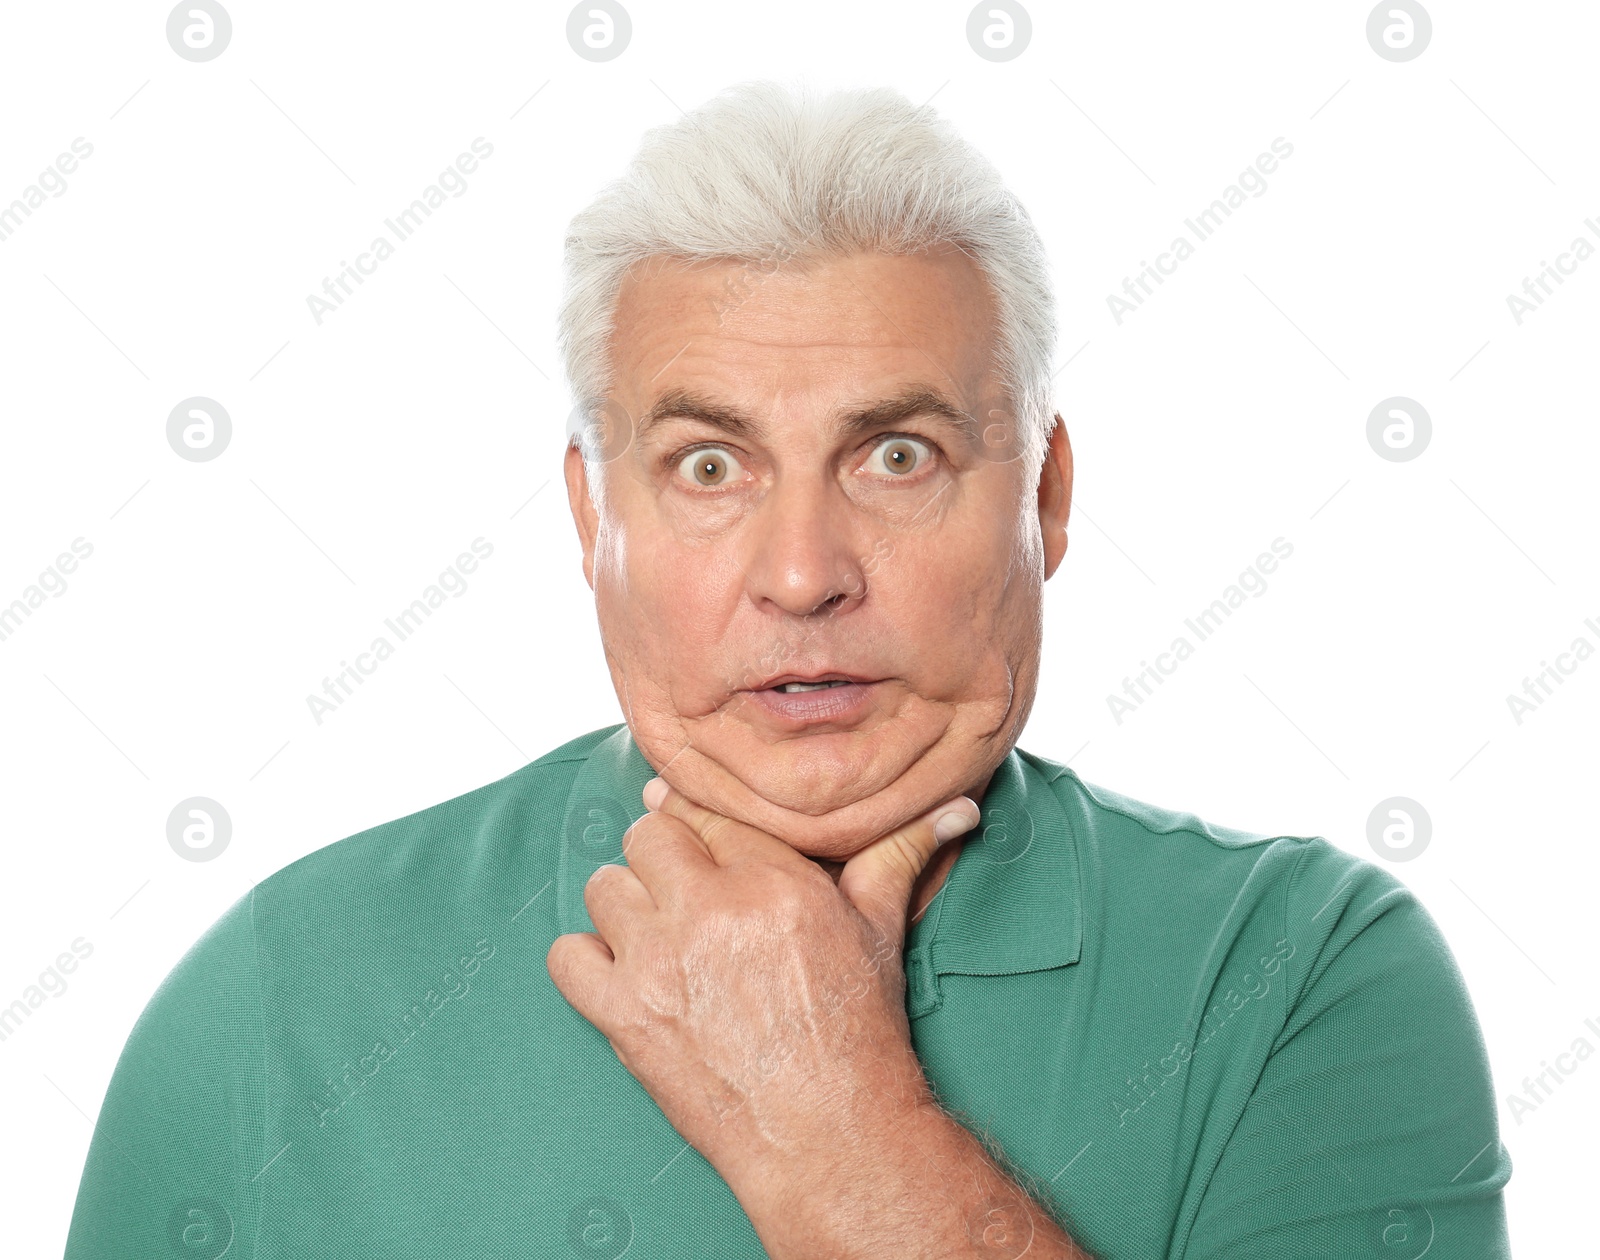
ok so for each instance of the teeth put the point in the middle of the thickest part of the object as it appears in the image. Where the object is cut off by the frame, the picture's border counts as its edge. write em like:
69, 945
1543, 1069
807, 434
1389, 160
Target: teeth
791, 687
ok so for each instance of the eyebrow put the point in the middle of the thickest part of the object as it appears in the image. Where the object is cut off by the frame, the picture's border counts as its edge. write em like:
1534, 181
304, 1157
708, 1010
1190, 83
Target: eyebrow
917, 400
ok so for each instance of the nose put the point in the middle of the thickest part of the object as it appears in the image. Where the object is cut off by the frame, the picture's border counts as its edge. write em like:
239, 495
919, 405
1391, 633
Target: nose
800, 554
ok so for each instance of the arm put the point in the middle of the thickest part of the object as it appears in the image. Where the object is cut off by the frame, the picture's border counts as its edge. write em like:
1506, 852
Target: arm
1372, 1131
763, 1009
178, 1138
917, 1185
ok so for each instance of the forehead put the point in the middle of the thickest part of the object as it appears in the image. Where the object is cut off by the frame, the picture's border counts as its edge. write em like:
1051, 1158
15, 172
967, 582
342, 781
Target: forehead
837, 324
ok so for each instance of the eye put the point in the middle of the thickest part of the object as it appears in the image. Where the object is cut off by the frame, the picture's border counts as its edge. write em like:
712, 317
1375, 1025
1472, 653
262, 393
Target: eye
898, 455
709, 466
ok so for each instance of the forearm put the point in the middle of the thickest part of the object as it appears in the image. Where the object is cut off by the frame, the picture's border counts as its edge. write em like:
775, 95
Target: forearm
921, 1187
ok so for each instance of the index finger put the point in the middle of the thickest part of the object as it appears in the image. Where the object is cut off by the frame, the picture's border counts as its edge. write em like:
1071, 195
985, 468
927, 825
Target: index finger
665, 853
726, 838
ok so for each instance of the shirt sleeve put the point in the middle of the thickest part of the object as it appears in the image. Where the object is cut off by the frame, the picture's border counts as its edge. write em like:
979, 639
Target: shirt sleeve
1372, 1129
177, 1146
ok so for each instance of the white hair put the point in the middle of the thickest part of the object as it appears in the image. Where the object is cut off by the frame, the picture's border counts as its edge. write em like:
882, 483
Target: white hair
765, 174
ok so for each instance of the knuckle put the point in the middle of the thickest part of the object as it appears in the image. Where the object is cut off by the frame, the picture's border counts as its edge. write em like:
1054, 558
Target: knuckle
594, 888
600, 874
906, 857
789, 902
648, 828
715, 828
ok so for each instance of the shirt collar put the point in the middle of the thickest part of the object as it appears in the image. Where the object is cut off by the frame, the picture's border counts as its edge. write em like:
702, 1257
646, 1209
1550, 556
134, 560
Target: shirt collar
1010, 904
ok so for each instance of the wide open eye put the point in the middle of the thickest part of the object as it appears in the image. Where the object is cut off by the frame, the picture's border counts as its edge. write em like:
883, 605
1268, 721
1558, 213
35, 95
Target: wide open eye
898, 455
709, 466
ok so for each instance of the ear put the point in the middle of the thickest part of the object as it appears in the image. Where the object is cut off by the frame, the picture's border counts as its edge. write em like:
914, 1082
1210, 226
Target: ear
1055, 496
584, 515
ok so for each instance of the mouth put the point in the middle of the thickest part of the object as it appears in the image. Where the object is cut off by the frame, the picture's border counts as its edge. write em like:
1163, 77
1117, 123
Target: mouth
821, 701
790, 684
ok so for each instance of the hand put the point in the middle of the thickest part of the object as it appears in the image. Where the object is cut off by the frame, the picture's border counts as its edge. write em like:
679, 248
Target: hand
762, 1007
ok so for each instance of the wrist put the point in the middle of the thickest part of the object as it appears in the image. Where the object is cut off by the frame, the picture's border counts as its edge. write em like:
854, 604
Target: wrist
857, 1187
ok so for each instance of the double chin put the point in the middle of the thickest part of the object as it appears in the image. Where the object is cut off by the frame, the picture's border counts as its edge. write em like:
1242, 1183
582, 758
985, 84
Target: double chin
829, 810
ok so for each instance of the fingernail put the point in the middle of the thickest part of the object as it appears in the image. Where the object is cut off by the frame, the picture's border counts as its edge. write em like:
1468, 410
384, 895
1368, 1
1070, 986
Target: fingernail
654, 793
953, 824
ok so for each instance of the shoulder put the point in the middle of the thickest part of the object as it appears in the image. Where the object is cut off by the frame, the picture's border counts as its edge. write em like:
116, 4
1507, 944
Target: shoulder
435, 846
389, 903
375, 898
496, 834
1111, 824
426, 865
1182, 868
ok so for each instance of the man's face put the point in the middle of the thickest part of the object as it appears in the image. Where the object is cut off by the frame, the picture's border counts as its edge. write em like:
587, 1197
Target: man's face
812, 473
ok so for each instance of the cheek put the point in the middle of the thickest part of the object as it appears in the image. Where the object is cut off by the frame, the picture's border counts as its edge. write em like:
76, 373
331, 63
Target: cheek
659, 542
623, 595
666, 599
610, 556
975, 613
959, 587
612, 593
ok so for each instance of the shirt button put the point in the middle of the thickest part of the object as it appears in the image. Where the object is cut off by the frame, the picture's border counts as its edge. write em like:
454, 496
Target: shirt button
922, 989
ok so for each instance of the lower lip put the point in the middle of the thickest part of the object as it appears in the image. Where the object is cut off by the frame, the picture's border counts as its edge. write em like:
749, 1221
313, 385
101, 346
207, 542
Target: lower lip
804, 708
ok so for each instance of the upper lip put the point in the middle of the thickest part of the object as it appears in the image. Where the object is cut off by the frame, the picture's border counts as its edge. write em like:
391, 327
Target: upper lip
827, 675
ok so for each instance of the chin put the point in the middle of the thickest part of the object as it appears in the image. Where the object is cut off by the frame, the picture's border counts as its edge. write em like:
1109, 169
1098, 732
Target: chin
827, 769
835, 826
831, 793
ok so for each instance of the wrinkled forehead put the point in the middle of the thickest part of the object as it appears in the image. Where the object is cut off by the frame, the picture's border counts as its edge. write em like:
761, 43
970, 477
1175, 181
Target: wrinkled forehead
840, 327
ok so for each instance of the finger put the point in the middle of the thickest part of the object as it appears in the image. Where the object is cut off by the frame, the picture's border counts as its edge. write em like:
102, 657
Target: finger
580, 965
618, 904
726, 839
666, 854
878, 880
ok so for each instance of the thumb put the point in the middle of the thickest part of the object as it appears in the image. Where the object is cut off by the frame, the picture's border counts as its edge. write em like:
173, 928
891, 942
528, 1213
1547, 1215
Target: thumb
878, 880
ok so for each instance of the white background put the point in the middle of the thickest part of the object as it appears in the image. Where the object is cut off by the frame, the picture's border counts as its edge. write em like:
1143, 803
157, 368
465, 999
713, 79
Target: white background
429, 410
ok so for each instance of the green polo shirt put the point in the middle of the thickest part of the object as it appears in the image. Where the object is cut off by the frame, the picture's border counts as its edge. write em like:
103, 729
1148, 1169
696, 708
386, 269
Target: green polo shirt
1187, 1041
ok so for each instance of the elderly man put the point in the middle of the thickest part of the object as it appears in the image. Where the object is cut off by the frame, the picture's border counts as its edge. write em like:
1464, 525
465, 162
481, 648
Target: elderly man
808, 959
